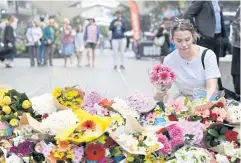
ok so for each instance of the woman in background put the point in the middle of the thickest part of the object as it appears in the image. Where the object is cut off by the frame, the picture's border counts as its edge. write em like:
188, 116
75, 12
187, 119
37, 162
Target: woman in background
67, 41
9, 40
79, 44
34, 34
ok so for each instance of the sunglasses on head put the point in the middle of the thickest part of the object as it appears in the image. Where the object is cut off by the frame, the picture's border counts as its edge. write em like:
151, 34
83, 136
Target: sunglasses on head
178, 22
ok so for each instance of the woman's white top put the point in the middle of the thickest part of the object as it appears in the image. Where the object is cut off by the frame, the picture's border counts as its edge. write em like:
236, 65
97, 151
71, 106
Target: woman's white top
34, 34
79, 40
191, 74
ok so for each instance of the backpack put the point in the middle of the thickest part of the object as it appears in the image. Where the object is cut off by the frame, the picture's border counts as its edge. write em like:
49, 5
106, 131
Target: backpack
228, 94
159, 41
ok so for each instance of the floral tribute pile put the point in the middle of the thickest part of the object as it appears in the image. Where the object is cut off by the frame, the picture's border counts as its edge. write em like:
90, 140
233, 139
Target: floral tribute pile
70, 125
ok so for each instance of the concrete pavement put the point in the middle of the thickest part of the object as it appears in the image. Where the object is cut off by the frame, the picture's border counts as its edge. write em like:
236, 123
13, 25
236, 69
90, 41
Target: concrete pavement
103, 78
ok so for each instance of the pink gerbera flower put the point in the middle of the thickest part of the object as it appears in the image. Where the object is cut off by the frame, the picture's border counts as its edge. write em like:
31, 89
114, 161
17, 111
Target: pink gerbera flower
157, 68
173, 76
154, 77
166, 68
164, 77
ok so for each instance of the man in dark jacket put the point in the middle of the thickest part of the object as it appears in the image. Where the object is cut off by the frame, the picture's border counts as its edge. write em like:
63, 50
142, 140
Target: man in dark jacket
207, 17
118, 27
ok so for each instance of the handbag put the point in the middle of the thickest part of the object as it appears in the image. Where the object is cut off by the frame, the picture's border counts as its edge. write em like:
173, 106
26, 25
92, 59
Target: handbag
228, 94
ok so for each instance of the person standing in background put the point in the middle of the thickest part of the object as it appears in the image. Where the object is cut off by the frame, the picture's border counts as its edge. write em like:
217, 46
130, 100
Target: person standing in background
235, 41
34, 34
49, 41
91, 37
207, 18
9, 40
42, 47
118, 27
67, 41
79, 44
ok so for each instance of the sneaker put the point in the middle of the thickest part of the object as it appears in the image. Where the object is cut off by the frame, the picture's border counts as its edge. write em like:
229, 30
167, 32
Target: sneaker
115, 67
8, 66
122, 67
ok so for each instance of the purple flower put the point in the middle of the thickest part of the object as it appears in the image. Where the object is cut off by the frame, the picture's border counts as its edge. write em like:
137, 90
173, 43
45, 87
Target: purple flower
13, 149
140, 102
78, 154
47, 149
25, 148
91, 99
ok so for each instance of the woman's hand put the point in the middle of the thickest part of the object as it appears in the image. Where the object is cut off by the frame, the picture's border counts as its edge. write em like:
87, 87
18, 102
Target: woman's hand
211, 86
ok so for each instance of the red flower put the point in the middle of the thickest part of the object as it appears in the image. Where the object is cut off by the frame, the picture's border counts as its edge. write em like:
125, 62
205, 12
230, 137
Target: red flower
205, 120
231, 135
109, 142
105, 102
214, 116
45, 116
220, 105
172, 118
94, 152
88, 125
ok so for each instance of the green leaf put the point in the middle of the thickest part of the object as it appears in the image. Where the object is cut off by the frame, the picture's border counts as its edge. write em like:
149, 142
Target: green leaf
221, 138
223, 130
186, 101
213, 132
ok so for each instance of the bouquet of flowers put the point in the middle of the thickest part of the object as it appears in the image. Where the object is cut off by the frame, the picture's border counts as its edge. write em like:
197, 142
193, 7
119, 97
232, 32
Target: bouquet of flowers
103, 149
157, 116
234, 114
210, 113
68, 97
178, 107
191, 155
172, 137
219, 133
87, 129
58, 122
162, 78
43, 104
137, 142
61, 151
140, 102
12, 105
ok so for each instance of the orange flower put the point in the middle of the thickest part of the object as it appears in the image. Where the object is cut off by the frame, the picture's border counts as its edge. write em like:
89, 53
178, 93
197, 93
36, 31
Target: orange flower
63, 145
51, 158
105, 102
88, 125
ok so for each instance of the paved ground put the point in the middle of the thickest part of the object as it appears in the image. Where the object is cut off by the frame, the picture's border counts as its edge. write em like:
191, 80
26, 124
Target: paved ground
103, 78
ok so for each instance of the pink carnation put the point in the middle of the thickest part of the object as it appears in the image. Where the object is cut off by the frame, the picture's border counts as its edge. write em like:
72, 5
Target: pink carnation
164, 77
167, 147
176, 135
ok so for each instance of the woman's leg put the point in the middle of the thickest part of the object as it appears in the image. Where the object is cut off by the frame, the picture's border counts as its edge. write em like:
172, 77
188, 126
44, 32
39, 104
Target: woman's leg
31, 54
78, 58
65, 60
7, 63
93, 57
